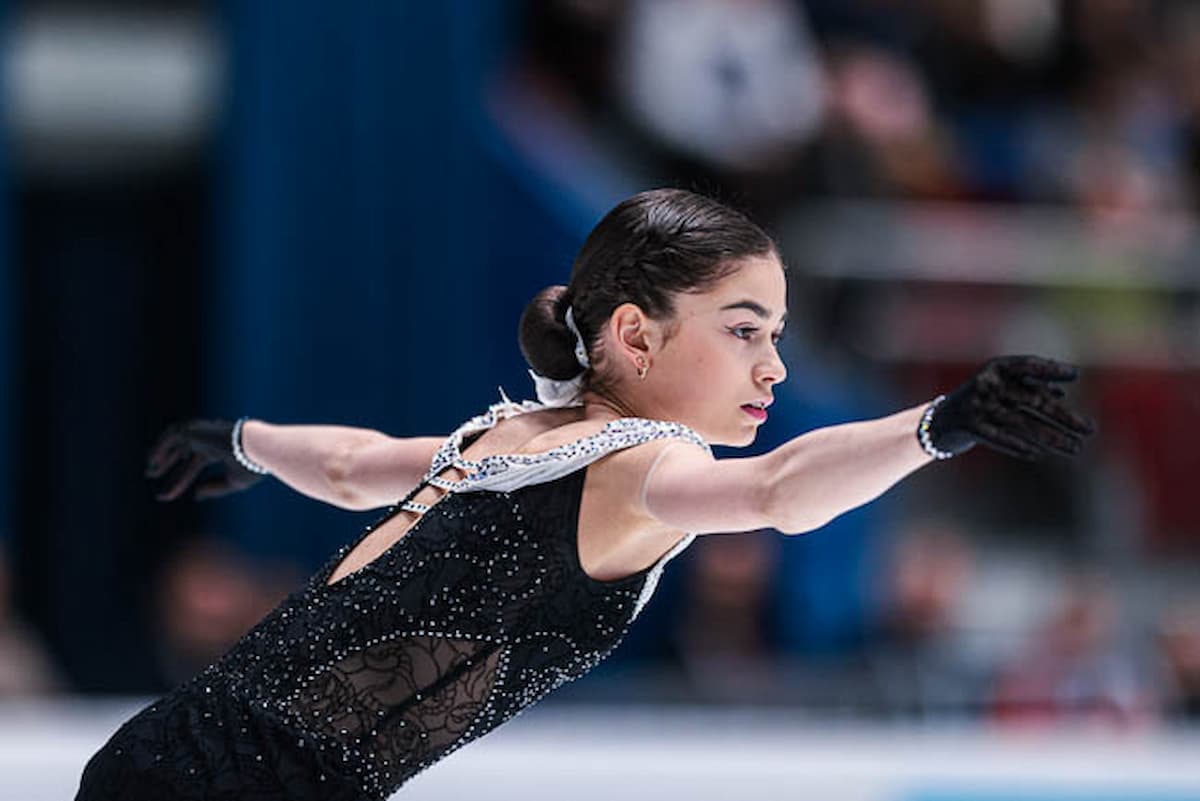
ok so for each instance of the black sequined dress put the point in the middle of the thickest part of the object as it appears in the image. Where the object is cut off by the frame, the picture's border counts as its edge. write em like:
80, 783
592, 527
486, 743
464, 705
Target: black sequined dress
346, 691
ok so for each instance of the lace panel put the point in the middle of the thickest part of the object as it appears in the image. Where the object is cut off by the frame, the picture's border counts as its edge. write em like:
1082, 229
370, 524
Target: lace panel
395, 704
347, 690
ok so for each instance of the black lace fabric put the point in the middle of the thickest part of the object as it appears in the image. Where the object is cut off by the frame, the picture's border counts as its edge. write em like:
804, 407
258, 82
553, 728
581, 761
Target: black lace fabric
410, 699
347, 690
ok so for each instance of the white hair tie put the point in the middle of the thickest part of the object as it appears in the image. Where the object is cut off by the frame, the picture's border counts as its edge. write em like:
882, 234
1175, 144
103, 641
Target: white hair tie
551, 392
580, 348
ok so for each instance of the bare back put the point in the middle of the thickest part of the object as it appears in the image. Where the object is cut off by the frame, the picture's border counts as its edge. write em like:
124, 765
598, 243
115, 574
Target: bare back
617, 538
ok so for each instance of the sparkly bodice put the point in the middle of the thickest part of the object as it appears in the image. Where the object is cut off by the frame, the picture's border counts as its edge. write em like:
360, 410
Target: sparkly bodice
477, 612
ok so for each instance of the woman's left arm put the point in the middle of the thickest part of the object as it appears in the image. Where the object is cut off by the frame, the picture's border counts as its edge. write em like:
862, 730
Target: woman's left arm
351, 468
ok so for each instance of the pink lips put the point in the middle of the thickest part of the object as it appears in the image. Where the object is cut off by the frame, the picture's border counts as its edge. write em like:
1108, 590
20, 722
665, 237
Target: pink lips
758, 414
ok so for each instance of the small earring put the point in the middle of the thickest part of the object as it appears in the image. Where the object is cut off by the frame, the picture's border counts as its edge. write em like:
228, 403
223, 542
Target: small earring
642, 368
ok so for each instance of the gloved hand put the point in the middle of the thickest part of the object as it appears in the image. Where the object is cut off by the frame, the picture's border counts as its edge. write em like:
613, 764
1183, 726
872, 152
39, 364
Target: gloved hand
1014, 406
185, 449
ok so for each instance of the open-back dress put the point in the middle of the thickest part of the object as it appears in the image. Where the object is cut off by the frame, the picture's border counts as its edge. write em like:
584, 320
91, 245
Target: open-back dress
348, 689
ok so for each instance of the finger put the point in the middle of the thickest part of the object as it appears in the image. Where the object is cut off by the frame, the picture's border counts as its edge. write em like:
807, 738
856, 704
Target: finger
1013, 429
186, 476
1044, 404
155, 467
169, 439
213, 488
1060, 419
1053, 390
1049, 436
1001, 440
1041, 432
1040, 368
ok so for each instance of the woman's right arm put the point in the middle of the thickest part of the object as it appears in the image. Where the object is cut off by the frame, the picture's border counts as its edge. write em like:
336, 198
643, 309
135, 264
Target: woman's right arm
348, 467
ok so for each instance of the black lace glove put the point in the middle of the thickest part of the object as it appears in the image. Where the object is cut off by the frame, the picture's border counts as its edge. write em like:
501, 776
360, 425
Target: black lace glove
1012, 405
185, 449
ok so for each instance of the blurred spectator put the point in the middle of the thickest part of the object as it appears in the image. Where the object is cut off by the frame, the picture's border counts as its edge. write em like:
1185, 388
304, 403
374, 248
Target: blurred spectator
1179, 643
1094, 104
25, 668
917, 662
569, 44
1092, 107
1073, 671
209, 596
722, 636
737, 85
1181, 56
882, 137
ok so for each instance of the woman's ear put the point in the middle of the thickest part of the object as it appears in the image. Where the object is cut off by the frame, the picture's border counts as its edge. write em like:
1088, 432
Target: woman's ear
634, 333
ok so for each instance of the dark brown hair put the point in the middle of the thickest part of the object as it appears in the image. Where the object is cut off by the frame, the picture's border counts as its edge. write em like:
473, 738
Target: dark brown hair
646, 250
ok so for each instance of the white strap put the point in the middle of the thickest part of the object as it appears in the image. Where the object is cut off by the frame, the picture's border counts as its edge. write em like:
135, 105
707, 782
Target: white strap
507, 472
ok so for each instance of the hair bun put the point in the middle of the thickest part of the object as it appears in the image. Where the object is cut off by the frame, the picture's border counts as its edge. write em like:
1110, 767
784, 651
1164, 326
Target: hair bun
546, 342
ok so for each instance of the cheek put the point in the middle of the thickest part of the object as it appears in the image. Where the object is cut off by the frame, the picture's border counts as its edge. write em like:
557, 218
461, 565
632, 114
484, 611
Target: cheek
688, 360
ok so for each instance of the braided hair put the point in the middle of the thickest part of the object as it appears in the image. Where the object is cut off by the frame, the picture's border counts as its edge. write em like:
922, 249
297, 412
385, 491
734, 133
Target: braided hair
646, 250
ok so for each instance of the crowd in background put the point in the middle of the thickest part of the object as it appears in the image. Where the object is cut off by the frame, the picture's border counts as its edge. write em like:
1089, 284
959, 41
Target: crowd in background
1094, 104
775, 104
1088, 108
1071, 667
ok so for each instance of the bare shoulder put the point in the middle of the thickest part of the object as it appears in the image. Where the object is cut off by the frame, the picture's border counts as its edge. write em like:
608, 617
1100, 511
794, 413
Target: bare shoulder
619, 476
666, 484
689, 489
623, 473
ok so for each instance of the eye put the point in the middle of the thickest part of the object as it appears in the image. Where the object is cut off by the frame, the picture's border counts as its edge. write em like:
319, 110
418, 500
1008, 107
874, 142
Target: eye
737, 331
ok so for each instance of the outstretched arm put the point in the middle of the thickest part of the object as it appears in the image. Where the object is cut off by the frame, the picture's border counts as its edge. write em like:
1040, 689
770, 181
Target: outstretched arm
1012, 405
798, 487
352, 468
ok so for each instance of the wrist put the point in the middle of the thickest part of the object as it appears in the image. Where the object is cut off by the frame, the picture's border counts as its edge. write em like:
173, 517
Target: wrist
925, 430
237, 442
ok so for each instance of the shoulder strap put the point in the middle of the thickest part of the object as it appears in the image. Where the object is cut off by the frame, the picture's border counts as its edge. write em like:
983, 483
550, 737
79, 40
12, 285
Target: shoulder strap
448, 452
506, 472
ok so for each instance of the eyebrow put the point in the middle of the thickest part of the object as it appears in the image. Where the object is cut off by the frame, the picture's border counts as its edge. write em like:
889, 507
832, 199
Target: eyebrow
757, 308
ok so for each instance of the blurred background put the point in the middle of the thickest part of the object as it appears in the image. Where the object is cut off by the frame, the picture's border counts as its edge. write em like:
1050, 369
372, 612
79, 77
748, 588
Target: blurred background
316, 212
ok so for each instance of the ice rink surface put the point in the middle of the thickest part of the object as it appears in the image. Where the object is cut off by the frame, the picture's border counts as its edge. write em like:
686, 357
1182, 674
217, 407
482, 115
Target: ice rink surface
588, 753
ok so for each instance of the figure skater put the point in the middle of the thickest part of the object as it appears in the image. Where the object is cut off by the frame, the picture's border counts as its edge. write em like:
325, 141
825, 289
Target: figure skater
526, 542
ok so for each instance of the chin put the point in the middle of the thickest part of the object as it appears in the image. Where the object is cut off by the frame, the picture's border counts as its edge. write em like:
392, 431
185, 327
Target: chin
739, 439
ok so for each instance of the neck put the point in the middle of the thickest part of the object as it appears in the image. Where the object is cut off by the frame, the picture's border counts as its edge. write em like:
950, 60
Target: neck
605, 407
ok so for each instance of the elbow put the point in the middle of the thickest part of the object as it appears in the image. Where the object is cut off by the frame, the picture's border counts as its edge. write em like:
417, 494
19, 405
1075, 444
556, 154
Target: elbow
786, 511
338, 474
795, 526
779, 513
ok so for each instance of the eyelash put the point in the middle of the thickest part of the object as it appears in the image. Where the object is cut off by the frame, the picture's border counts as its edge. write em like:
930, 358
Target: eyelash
774, 337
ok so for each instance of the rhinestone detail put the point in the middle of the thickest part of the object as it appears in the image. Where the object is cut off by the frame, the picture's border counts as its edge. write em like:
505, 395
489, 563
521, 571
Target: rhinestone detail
476, 613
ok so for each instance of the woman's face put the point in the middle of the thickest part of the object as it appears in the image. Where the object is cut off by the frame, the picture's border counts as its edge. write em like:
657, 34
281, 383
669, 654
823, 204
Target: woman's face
722, 358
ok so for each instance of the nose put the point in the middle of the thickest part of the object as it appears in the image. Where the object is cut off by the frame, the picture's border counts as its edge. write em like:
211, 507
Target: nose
772, 370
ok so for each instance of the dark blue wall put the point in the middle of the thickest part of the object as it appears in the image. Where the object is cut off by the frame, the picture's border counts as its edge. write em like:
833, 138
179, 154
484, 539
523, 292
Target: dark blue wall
375, 250
8, 333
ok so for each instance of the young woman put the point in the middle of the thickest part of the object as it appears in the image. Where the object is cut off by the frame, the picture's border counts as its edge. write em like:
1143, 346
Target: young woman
526, 542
